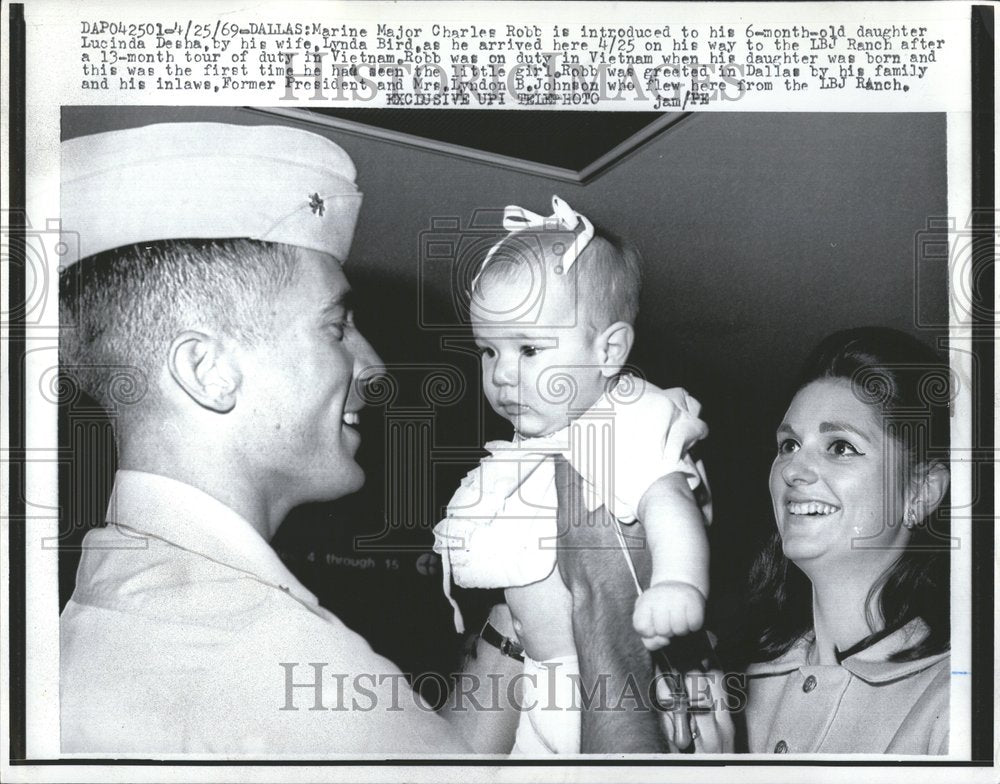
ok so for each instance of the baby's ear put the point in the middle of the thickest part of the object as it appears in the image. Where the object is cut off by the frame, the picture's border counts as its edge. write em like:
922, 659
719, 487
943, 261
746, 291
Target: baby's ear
614, 345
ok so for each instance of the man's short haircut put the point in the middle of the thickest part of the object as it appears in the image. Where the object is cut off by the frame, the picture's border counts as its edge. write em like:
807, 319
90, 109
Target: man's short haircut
608, 272
120, 309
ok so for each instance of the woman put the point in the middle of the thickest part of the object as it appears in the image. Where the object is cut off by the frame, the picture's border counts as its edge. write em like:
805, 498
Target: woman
853, 657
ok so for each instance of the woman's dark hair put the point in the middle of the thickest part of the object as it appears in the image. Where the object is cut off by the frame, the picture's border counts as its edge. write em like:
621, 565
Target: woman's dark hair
909, 384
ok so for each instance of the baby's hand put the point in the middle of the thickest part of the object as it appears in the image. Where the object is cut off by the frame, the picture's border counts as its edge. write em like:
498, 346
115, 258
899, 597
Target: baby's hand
668, 609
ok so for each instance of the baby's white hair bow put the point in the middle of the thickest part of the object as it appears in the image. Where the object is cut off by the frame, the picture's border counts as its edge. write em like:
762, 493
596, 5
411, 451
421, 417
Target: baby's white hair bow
563, 218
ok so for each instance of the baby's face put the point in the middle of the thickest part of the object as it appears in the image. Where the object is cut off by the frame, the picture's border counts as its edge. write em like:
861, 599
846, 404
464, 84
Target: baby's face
540, 357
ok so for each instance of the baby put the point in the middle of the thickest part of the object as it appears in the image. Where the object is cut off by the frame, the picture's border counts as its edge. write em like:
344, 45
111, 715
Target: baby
552, 313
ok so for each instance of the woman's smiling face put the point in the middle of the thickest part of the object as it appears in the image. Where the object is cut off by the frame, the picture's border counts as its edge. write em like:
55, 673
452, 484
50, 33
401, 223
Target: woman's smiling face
837, 482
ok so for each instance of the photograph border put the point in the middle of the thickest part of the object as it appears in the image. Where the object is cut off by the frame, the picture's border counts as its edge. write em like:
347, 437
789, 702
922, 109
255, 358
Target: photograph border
983, 513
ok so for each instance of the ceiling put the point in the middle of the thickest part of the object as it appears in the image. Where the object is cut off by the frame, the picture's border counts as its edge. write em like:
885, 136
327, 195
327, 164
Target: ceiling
571, 146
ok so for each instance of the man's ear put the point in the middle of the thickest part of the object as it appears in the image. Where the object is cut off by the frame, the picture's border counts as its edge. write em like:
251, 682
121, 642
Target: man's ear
614, 345
202, 367
929, 490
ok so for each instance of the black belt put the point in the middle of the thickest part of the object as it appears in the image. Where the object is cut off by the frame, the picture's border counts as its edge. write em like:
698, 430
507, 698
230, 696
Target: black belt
504, 644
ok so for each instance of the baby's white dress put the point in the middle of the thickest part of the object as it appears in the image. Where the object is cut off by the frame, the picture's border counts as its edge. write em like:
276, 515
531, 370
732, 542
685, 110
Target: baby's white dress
501, 529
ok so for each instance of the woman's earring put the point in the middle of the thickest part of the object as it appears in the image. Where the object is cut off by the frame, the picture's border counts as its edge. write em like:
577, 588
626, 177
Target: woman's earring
910, 521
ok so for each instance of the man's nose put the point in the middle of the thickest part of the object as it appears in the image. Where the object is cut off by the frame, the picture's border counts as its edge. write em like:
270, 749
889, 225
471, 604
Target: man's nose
799, 469
368, 366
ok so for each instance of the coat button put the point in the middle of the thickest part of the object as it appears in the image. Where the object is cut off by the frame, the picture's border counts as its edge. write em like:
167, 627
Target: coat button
780, 747
809, 684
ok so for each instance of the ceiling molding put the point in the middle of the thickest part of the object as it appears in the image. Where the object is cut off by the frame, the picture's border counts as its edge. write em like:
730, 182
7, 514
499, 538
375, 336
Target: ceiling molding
582, 176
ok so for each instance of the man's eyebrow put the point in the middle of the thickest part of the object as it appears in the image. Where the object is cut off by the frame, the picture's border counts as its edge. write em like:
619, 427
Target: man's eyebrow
843, 427
343, 301
785, 429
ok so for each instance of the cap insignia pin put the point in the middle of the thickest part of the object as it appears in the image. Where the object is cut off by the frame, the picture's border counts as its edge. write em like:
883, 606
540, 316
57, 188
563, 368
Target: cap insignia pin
316, 205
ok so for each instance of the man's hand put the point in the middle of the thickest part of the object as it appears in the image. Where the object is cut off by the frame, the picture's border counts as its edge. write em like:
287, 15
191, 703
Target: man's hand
477, 708
668, 609
613, 662
590, 558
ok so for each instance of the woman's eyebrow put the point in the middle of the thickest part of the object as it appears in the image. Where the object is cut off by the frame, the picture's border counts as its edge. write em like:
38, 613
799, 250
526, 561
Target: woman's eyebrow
785, 429
843, 427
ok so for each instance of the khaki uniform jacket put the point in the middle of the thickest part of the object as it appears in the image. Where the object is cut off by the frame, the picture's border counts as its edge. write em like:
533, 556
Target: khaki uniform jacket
186, 633
864, 705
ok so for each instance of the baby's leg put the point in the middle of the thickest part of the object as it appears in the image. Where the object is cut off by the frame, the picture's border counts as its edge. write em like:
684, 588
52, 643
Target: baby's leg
543, 617
550, 716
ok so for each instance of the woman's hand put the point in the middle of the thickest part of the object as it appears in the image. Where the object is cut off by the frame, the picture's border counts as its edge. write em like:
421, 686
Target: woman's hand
709, 721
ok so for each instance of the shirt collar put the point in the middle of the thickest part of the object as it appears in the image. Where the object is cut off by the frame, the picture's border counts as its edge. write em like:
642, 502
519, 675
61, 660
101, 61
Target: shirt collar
871, 664
189, 518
